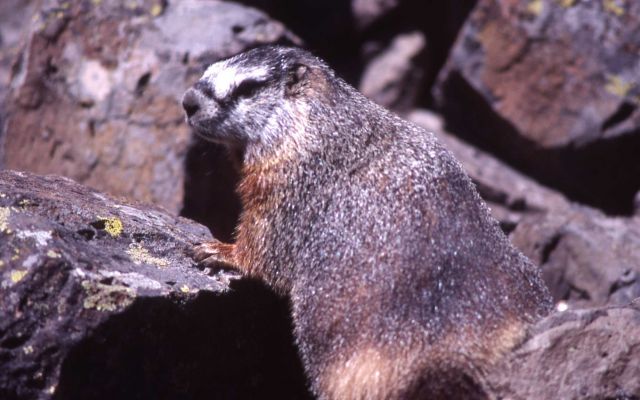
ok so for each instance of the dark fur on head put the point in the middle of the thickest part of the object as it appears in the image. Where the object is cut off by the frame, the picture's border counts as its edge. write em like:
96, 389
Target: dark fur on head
401, 282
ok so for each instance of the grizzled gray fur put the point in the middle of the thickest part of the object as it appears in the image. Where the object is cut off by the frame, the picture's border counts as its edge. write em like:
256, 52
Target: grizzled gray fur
401, 283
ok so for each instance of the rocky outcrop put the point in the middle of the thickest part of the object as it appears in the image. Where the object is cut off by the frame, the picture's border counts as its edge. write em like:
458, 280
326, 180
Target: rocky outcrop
552, 88
100, 299
97, 90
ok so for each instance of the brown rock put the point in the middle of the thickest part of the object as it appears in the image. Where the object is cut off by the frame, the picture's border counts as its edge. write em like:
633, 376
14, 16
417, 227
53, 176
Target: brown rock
552, 87
583, 354
97, 95
535, 58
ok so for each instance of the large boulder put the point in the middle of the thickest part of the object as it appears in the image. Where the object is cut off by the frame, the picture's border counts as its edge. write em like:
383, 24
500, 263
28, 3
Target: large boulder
97, 92
551, 86
99, 299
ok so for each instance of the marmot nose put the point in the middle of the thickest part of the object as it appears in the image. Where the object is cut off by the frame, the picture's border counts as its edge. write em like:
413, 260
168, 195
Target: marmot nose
190, 103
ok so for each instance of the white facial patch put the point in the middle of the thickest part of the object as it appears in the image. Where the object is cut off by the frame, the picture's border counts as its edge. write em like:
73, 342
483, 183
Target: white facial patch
224, 77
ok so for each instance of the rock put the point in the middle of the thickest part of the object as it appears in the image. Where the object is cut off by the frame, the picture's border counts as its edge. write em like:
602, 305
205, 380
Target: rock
583, 354
525, 81
393, 78
15, 16
366, 12
100, 299
511, 195
98, 90
587, 258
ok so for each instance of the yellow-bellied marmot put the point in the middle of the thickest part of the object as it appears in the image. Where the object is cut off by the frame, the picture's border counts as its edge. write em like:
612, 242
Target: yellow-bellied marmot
402, 285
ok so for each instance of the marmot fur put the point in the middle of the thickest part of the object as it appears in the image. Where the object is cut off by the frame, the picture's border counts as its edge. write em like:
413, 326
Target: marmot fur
401, 283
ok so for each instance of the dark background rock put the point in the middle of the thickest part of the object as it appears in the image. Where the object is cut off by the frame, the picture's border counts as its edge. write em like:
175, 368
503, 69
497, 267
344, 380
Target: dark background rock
552, 87
393, 78
99, 299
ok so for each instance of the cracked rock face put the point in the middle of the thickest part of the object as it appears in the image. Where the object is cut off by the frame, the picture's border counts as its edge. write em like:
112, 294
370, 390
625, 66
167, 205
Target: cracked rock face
100, 299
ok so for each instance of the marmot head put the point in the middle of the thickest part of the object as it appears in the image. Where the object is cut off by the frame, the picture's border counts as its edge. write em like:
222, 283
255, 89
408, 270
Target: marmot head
249, 98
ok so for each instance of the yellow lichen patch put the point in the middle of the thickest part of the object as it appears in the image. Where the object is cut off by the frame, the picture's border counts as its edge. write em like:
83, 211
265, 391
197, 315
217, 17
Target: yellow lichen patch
51, 389
27, 349
185, 289
613, 7
103, 297
96, 2
17, 275
567, 3
4, 219
113, 225
141, 255
618, 86
53, 254
24, 203
535, 7
156, 10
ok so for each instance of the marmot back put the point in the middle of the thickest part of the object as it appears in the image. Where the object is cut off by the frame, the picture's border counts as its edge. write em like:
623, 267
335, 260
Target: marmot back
402, 285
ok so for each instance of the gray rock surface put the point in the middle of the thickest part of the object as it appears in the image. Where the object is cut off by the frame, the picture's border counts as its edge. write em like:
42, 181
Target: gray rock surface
587, 258
583, 354
393, 78
99, 299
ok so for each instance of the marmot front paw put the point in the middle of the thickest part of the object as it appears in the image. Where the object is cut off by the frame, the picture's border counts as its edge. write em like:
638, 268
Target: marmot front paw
214, 254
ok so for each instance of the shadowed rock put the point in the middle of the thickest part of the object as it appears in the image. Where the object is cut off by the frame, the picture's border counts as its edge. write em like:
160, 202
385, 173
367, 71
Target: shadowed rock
100, 299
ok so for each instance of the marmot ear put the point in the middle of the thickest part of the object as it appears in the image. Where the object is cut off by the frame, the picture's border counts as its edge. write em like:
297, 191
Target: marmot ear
296, 76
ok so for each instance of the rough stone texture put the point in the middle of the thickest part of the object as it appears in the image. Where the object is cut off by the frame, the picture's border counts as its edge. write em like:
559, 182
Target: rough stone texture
98, 89
15, 20
583, 354
511, 195
99, 299
393, 78
552, 87
587, 258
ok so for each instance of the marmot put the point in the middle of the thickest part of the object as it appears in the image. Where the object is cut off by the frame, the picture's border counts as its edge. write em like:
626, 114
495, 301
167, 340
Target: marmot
401, 283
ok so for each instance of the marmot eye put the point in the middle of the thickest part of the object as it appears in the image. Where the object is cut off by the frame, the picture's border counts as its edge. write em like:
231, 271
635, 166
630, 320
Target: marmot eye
247, 88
